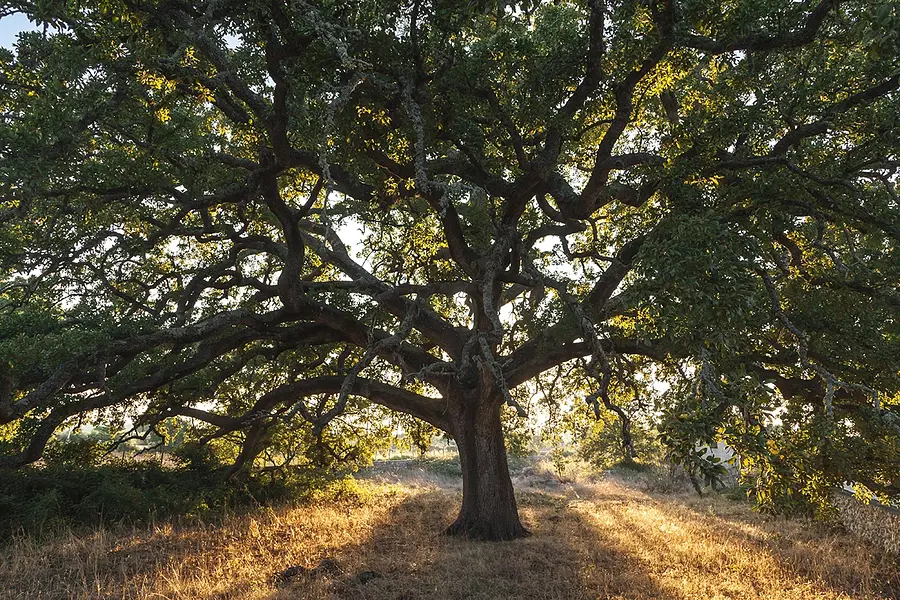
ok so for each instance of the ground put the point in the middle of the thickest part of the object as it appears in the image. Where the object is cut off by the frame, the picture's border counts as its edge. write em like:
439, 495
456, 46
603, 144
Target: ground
615, 537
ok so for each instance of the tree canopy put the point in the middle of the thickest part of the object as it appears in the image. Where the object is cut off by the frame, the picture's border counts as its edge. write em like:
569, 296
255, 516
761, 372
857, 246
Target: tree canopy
278, 212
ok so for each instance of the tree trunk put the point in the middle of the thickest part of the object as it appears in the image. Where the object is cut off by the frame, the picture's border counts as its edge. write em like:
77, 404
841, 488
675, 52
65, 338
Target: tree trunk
489, 510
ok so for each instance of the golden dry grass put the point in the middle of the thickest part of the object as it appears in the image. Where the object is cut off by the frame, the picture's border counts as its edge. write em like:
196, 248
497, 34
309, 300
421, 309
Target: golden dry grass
602, 540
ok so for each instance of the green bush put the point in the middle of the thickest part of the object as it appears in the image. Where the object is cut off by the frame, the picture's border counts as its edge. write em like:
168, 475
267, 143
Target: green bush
446, 467
43, 499
79, 452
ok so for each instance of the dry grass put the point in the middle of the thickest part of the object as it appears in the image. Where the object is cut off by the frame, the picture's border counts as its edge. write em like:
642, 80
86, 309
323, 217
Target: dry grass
878, 524
602, 540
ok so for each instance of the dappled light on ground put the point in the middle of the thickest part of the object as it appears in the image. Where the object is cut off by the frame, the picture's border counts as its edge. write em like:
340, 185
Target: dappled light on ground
605, 540
715, 548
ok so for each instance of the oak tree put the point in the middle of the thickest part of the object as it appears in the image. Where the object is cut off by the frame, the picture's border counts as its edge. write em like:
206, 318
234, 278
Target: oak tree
264, 212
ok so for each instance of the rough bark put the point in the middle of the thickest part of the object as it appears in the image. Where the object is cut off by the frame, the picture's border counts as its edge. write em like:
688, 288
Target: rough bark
488, 510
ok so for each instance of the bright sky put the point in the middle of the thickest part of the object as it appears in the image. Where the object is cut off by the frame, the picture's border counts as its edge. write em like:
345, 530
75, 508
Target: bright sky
11, 26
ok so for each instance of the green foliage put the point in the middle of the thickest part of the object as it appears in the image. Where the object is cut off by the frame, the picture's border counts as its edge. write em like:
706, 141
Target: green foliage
688, 442
445, 467
80, 452
249, 225
43, 498
199, 458
599, 440
126, 492
415, 434
518, 433
808, 456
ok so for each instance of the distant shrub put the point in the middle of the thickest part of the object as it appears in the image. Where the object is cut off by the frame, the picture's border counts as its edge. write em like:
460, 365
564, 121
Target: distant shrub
446, 467
197, 457
630, 464
64, 494
79, 452
740, 492
653, 478
345, 491
599, 441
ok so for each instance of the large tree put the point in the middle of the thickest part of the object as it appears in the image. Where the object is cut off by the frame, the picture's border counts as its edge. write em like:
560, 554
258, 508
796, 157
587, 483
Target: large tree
442, 207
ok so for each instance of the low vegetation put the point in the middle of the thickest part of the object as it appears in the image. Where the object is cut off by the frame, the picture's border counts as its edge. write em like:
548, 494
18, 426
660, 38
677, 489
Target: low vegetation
625, 535
40, 501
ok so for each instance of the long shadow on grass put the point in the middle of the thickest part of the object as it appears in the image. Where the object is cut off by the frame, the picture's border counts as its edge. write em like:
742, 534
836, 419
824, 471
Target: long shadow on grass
564, 558
626, 545
749, 551
806, 550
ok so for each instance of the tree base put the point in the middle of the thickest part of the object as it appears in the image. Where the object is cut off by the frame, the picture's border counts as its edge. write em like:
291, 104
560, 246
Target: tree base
483, 531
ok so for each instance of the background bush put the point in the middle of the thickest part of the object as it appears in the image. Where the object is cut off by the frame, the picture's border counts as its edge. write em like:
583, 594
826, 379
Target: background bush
44, 499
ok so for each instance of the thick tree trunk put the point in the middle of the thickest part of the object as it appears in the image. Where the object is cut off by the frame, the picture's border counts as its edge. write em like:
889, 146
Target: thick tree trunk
489, 510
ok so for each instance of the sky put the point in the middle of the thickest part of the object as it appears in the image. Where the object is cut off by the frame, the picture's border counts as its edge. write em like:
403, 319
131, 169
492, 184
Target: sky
11, 26
15, 23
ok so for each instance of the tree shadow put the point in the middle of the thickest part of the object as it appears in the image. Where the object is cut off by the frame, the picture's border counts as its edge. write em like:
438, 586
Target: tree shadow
611, 541
563, 558
621, 544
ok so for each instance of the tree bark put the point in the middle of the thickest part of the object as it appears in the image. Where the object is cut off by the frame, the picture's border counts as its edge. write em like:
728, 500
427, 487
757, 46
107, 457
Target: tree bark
489, 510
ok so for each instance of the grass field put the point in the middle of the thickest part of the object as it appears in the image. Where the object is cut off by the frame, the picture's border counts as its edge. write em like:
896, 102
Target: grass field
603, 539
